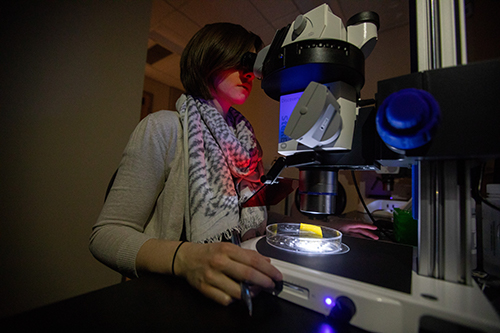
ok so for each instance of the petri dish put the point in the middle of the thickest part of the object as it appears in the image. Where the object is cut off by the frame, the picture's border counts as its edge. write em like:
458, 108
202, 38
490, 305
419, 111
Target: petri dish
305, 238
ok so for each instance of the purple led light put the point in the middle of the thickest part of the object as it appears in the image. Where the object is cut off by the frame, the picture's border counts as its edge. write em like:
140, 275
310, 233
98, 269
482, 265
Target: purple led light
328, 301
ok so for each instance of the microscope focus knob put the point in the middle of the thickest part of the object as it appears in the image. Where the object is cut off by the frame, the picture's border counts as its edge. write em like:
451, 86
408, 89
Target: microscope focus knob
343, 310
408, 119
299, 25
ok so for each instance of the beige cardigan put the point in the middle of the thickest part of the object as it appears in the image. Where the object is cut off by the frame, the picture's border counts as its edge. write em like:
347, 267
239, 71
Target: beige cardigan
148, 196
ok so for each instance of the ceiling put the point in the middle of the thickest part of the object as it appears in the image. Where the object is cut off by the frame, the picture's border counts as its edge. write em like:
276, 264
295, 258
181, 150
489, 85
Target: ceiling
174, 22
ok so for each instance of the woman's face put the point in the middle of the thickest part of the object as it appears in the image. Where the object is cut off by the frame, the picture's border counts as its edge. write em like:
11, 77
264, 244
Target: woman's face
232, 87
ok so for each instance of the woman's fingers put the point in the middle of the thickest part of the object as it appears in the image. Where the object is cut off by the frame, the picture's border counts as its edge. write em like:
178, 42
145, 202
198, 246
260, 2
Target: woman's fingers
216, 286
353, 228
364, 232
216, 294
251, 267
244, 265
217, 269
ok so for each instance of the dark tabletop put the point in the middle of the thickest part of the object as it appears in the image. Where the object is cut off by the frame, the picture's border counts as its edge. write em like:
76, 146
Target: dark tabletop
168, 304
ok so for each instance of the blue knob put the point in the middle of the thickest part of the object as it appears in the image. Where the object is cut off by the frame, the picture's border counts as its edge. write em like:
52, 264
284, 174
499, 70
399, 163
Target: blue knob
408, 119
343, 310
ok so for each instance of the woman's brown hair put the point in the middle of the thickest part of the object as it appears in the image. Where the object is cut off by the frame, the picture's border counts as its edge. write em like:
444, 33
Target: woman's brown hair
215, 48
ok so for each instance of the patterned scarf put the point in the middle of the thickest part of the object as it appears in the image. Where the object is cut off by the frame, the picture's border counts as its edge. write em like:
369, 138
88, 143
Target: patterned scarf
224, 161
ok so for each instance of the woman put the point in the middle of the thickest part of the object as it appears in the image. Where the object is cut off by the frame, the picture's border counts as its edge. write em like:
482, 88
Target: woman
179, 177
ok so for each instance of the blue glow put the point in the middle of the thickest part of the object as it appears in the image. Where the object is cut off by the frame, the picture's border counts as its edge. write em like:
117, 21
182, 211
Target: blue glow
287, 104
328, 301
325, 328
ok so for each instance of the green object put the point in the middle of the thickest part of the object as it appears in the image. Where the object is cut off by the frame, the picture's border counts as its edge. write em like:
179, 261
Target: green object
405, 227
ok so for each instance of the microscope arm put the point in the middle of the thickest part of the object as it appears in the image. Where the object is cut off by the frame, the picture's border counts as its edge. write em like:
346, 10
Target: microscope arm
297, 160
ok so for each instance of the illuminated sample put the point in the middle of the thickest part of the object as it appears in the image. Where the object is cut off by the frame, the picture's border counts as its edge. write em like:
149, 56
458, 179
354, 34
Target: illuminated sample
305, 238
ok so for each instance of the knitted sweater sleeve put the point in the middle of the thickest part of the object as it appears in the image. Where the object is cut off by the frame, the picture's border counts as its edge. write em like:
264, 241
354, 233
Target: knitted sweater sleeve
119, 232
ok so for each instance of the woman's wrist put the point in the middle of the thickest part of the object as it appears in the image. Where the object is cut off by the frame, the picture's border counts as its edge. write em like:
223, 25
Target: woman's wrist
173, 258
155, 256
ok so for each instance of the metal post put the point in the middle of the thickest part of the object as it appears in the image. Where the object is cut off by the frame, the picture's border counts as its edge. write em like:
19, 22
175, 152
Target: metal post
441, 39
445, 224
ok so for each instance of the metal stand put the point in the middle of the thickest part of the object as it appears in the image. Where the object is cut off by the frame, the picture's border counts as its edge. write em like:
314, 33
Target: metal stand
445, 228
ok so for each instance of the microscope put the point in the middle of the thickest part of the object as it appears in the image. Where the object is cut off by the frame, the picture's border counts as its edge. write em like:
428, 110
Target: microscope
316, 66
439, 121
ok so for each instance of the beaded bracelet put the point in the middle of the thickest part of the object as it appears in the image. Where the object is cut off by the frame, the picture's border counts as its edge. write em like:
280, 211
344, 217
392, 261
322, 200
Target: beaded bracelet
175, 253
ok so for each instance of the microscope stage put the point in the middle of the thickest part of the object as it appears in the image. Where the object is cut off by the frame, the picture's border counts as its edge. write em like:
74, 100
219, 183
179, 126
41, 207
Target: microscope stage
378, 278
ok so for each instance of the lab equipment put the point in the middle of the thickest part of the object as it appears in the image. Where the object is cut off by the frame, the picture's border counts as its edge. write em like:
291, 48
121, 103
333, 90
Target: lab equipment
303, 238
491, 229
315, 67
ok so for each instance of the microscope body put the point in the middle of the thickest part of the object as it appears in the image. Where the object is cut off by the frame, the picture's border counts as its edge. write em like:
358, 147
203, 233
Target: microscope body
440, 122
315, 67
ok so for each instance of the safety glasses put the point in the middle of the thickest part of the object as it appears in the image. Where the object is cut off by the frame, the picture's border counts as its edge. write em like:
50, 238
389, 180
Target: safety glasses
247, 62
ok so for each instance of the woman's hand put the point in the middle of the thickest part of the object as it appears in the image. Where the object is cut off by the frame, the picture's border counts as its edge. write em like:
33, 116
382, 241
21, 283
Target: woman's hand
216, 269
353, 228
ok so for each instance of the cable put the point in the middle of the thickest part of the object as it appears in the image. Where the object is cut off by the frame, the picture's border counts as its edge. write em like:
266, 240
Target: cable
366, 208
490, 204
361, 197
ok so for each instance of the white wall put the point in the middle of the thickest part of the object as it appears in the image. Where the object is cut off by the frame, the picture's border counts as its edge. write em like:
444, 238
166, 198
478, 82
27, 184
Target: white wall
71, 80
